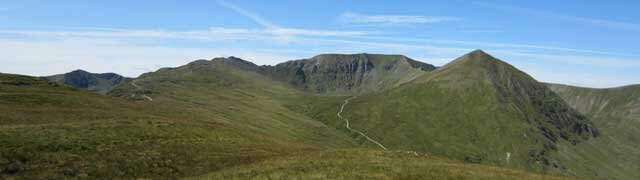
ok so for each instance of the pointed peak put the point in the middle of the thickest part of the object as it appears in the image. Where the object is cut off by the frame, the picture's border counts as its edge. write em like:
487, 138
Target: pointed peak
479, 63
476, 57
478, 51
479, 54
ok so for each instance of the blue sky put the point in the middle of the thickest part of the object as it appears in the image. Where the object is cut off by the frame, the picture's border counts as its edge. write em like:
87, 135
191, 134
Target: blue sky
585, 43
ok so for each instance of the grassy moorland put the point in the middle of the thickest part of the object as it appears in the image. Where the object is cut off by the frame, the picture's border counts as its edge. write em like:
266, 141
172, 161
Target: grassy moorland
475, 109
53, 131
481, 110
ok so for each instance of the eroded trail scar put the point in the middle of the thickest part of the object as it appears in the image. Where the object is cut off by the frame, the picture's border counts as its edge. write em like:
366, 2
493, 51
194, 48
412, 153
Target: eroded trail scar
133, 83
346, 101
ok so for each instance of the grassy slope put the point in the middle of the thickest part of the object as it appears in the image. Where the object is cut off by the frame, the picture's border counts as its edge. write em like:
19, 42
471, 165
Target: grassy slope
616, 111
205, 117
458, 112
238, 96
190, 128
368, 164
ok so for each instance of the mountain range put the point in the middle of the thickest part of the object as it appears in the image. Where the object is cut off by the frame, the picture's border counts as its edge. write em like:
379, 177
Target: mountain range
332, 116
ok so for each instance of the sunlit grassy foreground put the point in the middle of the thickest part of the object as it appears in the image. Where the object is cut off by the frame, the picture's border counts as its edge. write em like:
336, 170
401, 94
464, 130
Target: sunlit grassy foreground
368, 164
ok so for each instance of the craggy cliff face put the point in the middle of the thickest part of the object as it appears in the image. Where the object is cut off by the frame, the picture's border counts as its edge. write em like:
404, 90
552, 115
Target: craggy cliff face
348, 74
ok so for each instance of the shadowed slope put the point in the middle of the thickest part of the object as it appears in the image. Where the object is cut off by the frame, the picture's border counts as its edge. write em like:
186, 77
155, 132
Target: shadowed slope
616, 112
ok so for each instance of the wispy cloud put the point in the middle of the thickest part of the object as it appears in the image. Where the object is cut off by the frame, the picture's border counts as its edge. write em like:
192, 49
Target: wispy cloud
564, 17
284, 33
110, 50
480, 44
100, 55
482, 31
374, 20
254, 17
598, 61
211, 34
216, 34
134, 51
581, 78
440, 47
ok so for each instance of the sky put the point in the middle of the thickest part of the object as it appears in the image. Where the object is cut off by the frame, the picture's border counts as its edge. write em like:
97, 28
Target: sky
582, 43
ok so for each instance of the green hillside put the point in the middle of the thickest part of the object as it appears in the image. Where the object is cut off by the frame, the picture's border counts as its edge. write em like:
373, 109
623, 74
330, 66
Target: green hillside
204, 117
53, 131
476, 109
232, 91
227, 118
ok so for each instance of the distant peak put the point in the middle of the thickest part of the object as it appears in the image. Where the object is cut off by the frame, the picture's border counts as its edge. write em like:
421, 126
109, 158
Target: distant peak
477, 60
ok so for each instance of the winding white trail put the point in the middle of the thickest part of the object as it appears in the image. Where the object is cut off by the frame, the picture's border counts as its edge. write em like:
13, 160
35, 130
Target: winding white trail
133, 83
346, 101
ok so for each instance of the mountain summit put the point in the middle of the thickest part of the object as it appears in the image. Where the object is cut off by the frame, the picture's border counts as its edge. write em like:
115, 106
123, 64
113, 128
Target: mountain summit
477, 109
516, 87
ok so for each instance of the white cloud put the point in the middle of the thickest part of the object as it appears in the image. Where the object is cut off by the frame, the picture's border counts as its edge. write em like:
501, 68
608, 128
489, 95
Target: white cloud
479, 44
212, 34
399, 47
254, 17
278, 35
285, 34
311, 32
579, 78
482, 31
52, 53
128, 52
47, 57
598, 61
355, 18
569, 18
